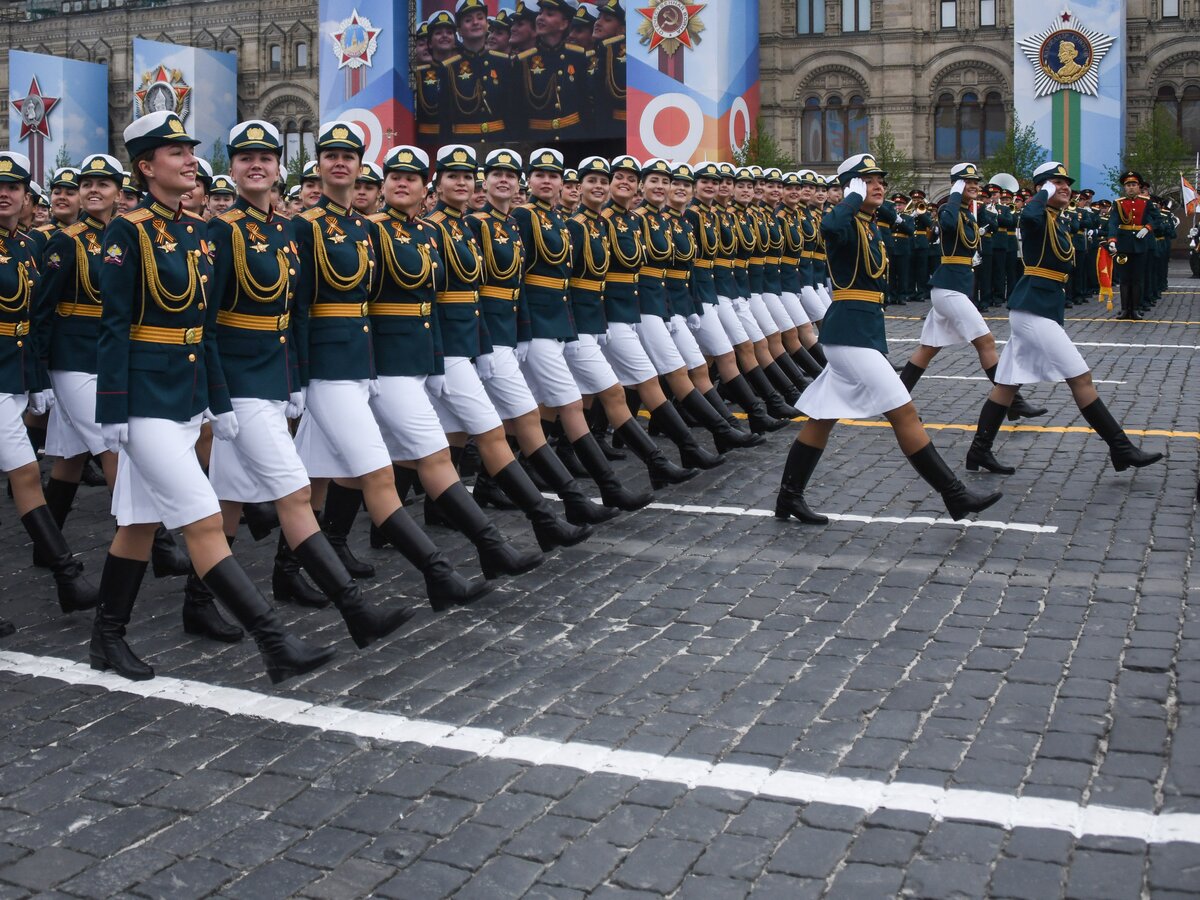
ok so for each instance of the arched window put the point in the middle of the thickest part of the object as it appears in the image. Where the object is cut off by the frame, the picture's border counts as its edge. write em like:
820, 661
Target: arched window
276, 57
301, 55
835, 129
969, 129
1183, 111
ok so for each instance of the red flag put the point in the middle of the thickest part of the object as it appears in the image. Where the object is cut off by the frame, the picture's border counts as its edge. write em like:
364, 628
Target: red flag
1189, 195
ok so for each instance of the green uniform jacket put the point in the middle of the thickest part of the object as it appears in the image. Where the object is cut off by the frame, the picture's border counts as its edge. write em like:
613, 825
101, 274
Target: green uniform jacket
408, 337
679, 271
960, 242
704, 225
66, 324
19, 368
499, 242
857, 264
463, 330
655, 230
1049, 258
625, 257
589, 266
545, 292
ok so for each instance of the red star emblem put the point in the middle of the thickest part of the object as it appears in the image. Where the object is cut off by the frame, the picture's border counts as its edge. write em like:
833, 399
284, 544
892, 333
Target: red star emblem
34, 110
361, 34
1066, 16
658, 17
163, 75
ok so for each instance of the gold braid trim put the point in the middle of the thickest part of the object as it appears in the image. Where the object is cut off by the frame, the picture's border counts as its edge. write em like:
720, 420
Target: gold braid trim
158, 291
246, 284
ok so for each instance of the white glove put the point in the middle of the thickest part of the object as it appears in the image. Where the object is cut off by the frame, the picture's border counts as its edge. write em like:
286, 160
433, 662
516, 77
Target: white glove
1112, 247
694, 321
1048, 189
1142, 233
984, 229
1194, 233
225, 426
856, 186
959, 187
115, 436
373, 388
295, 405
523, 350
485, 366
41, 401
977, 260
672, 325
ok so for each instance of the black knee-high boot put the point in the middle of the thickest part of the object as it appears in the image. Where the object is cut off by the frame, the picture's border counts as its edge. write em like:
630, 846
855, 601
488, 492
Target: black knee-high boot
59, 497
75, 592
776, 405
662, 471
284, 655
612, 492
445, 587
365, 625
801, 462
167, 557
794, 373
579, 509
725, 436
980, 454
960, 500
807, 362
717, 402
781, 383
549, 529
557, 439
910, 375
817, 352
1020, 408
119, 584
406, 479
288, 583
598, 423
691, 454
739, 391
1121, 450
497, 555
261, 519
341, 507
201, 618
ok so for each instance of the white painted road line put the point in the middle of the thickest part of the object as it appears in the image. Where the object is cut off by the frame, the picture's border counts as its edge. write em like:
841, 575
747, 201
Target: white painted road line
941, 803
902, 340
985, 378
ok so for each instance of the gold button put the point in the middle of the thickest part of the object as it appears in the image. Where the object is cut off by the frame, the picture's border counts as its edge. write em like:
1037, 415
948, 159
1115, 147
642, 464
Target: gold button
366, 328
358, 221
279, 228
514, 307
204, 279
291, 271
201, 306
191, 357
477, 312
189, 229
282, 339
20, 343
426, 324
435, 265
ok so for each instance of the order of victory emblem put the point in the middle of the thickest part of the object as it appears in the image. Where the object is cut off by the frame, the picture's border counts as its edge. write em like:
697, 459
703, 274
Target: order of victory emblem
1066, 56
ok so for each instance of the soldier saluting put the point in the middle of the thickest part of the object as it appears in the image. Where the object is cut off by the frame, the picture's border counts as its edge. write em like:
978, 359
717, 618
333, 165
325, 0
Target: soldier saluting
477, 83
553, 76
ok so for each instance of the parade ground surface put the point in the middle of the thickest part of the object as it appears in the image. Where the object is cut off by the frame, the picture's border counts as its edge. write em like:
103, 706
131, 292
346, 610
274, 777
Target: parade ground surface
698, 702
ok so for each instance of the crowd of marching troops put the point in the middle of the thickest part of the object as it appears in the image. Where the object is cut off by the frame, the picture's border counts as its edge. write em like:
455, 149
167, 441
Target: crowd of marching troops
228, 354
522, 78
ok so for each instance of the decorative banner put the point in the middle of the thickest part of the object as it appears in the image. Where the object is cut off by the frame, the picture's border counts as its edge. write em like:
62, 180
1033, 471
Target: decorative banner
48, 122
363, 64
1069, 83
200, 85
693, 78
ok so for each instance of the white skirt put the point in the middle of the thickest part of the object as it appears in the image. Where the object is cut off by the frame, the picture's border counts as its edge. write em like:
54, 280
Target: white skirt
750, 324
731, 322
814, 305
260, 464
795, 308
500, 372
73, 429
410, 427
762, 315
159, 478
626, 354
1037, 350
685, 343
953, 320
710, 334
858, 383
15, 448
338, 436
778, 312
656, 338
592, 371
544, 365
460, 401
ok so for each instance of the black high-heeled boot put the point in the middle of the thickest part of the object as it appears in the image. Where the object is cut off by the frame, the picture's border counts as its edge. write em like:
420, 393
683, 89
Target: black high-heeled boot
341, 507
119, 584
284, 655
578, 508
261, 519
75, 592
691, 454
365, 625
776, 405
288, 584
980, 454
910, 375
795, 375
497, 555
59, 497
960, 500
807, 362
724, 435
781, 383
201, 618
612, 492
662, 471
817, 352
1121, 450
444, 586
549, 529
761, 422
598, 423
801, 462
167, 557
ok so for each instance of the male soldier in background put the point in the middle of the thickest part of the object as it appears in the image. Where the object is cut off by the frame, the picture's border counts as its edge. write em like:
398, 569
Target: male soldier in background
477, 84
922, 224
900, 253
608, 83
1091, 224
553, 75
985, 215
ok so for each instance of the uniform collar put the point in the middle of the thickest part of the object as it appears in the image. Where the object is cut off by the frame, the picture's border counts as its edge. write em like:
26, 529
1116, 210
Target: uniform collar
589, 214
6, 233
617, 207
494, 213
653, 207
396, 214
336, 208
94, 224
161, 209
253, 211
542, 205
450, 211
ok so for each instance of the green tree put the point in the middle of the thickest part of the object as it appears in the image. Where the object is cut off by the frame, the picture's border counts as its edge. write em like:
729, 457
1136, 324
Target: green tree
296, 165
1019, 155
218, 159
889, 157
1156, 151
763, 150
63, 158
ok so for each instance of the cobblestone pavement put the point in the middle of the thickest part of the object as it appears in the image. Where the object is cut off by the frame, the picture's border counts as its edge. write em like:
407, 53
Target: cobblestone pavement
699, 702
